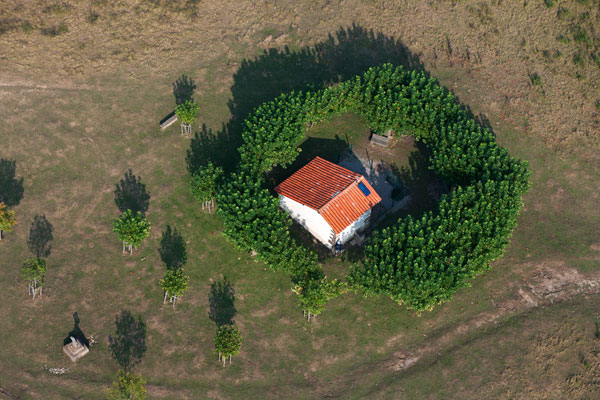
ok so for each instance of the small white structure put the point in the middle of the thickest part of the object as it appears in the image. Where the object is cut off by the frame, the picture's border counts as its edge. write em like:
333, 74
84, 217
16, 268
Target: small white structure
75, 350
331, 202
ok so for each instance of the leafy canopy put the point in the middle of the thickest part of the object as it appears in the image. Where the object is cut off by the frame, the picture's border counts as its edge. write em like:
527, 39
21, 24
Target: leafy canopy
174, 282
205, 182
131, 229
228, 340
7, 218
34, 269
127, 386
187, 112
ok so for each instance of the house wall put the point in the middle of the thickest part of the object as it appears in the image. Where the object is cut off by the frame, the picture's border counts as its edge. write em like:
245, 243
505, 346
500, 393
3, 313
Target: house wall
351, 229
310, 219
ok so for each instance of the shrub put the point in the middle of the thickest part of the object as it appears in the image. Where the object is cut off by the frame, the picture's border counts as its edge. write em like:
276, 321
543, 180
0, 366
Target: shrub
578, 59
549, 3
54, 30
563, 13
63, 28
26, 27
535, 79
581, 36
57, 8
92, 17
563, 39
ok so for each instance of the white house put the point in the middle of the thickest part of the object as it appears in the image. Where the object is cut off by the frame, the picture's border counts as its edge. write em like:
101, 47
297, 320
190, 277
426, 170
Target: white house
331, 202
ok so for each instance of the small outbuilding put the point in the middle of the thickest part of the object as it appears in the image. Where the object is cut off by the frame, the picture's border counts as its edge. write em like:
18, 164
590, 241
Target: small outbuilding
331, 202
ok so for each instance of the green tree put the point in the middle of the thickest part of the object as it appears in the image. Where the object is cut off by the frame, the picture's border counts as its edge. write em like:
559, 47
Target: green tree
127, 386
228, 342
34, 272
131, 229
205, 184
7, 219
174, 283
187, 113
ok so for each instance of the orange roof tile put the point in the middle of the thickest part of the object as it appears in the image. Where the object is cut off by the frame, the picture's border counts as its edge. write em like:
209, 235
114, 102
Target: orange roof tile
331, 190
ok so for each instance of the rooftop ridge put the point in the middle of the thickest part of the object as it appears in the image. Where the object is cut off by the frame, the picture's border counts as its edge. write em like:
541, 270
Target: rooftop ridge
350, 185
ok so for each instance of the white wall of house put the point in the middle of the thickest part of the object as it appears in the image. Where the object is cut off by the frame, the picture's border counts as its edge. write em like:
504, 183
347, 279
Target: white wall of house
309, 219
351, 229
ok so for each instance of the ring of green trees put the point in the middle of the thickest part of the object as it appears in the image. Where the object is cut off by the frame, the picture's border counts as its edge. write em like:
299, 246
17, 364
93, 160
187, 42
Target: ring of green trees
419, 262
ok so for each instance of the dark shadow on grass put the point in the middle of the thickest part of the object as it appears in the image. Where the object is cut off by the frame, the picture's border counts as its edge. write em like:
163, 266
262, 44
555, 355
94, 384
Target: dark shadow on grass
40, 235
131, 194
172, 248
344, 55
424, 186
128, 345
11, 188
77, 333
183, 89
221, 300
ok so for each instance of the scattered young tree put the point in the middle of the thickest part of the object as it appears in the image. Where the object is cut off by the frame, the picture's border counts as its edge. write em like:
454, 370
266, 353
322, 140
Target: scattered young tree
186, 113
174, 283
7, 219
228, 342
131, 229
34, 272
204, 185
40, 236
127, 387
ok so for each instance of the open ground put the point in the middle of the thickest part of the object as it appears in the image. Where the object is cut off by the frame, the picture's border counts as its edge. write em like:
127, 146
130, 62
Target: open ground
80, 106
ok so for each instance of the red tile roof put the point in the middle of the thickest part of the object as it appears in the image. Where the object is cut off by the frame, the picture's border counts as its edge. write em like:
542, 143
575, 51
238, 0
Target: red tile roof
331, 190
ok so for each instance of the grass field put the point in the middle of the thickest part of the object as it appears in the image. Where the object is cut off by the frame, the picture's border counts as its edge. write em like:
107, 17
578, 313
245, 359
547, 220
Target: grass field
81, 107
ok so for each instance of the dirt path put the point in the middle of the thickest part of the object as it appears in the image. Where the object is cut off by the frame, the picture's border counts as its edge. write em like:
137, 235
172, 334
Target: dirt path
550, 283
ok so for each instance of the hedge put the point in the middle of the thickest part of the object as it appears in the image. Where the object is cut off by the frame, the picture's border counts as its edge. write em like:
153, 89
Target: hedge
418, 262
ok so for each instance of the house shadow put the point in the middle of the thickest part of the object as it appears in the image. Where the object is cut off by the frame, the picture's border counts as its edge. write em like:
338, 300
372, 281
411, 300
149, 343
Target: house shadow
343, 55
76, 332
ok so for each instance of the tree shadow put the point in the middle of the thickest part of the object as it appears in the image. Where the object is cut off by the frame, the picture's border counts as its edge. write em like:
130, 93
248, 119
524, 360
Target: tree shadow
425, 187
221, 300
131, 194
11, 188
129, 343
349, 52
40, 235
77, 333
183, 89
217, 148
480, 118
172, 248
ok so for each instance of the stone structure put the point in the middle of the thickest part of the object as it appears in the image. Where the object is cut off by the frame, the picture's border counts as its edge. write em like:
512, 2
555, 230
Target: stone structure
75, 350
